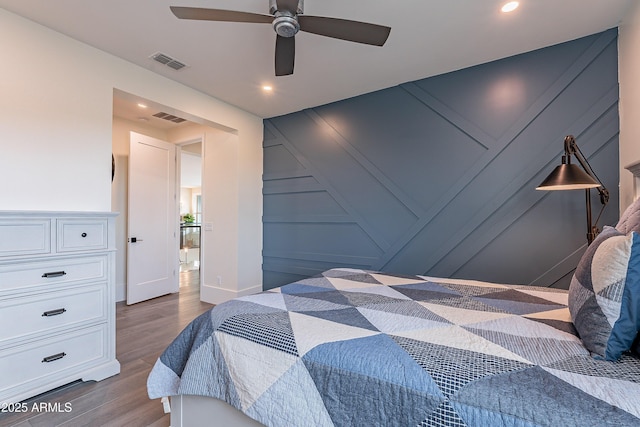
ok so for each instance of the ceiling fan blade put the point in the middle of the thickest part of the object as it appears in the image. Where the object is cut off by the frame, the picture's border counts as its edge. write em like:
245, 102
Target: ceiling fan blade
285, 55
344, 29
203, 14
288, 5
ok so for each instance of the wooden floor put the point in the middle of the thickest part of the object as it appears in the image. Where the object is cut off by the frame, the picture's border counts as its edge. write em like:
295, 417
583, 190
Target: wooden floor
144, 330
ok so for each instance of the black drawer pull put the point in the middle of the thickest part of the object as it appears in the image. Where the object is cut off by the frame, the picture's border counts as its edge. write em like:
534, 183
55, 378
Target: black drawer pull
54, 274
54, 357
53, 312
84, 234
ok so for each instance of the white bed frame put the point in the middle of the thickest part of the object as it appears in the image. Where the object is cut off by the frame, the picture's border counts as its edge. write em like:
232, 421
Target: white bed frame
197, 411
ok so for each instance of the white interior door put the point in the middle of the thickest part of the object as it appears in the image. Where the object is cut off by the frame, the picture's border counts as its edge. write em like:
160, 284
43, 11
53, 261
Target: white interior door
153, 250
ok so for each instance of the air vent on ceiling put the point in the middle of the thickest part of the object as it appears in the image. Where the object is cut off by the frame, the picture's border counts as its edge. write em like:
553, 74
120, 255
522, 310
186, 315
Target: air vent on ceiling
169, 117
168, 61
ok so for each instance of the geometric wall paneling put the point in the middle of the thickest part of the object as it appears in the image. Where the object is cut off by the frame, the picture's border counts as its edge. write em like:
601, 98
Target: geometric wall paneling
534, 221
349, 182
437, 176
514, 200
536, 134
530, 220
308, 226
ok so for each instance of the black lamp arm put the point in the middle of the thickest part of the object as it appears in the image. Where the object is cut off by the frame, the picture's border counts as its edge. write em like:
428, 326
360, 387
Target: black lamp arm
571, 147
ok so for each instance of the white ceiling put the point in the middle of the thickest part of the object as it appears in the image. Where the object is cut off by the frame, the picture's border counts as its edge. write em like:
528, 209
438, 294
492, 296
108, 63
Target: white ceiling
232, 61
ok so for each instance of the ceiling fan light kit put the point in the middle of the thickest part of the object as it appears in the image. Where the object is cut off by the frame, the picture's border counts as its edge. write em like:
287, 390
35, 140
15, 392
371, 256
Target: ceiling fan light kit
287, 19
285, 24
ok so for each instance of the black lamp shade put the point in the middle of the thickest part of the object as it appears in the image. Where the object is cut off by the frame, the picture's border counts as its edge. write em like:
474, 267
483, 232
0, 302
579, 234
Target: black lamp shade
568, 177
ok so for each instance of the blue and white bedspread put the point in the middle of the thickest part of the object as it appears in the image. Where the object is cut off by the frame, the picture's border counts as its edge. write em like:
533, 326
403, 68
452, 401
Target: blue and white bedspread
358, 348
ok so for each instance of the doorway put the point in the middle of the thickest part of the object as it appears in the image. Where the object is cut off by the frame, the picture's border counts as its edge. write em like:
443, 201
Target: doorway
190, 207
231, 239
134, 114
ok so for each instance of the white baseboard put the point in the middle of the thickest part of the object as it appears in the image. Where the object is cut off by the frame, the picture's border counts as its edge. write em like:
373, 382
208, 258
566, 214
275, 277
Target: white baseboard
208, 293
217, 295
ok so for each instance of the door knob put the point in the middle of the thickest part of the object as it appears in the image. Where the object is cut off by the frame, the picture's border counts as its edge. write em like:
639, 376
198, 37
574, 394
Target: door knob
135, 239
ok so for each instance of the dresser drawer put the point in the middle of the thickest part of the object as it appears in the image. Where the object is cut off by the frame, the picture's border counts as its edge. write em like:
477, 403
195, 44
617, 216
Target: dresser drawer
52, 358
53, 273
82, 235
25, 237
43, 314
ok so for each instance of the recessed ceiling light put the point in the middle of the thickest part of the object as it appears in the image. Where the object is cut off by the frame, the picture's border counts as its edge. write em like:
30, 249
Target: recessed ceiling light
141, 105
267, 88
510, 7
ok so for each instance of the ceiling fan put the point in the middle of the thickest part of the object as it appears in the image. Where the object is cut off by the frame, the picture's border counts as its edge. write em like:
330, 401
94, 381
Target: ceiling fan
287, 19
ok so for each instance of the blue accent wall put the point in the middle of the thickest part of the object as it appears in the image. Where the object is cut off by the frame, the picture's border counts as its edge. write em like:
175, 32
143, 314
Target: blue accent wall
438, 176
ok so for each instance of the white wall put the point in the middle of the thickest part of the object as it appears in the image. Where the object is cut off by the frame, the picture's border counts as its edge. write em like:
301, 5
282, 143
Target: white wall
629, 78
56, 121
191, 169
185, 200
56, 128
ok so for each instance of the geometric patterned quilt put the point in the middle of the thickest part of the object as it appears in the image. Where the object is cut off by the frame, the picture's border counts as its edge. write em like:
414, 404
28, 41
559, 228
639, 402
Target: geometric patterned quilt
360, 348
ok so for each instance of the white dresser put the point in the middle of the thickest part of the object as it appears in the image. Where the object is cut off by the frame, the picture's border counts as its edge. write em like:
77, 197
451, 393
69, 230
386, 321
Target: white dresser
57, 300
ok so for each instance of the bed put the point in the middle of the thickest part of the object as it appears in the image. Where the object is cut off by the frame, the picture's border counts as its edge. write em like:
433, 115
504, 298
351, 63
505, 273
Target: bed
351, 347
354, 347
